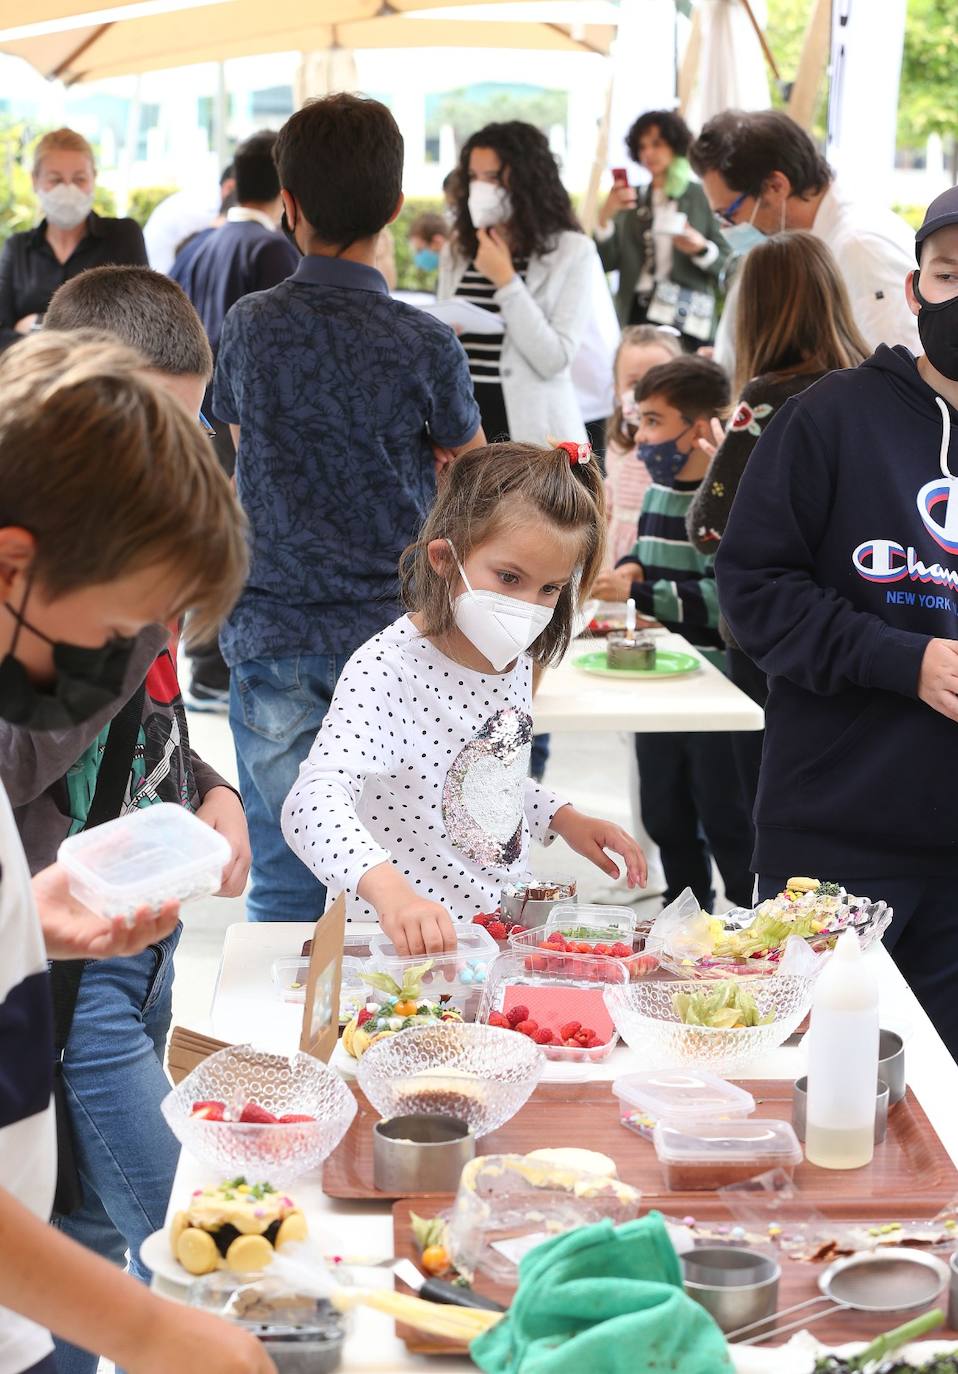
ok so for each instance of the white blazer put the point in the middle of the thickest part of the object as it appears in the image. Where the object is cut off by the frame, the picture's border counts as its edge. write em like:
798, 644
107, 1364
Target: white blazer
545, 319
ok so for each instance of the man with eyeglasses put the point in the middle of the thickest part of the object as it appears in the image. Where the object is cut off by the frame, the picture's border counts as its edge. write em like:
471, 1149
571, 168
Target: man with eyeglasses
763, 174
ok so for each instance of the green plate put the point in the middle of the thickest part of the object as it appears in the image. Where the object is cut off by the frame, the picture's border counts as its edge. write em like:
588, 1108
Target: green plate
668, 663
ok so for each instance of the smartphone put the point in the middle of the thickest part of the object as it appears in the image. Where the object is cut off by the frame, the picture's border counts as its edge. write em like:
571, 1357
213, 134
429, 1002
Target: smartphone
620, 176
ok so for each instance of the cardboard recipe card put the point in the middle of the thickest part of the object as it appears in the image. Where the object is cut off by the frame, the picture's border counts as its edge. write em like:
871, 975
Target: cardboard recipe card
321, 1012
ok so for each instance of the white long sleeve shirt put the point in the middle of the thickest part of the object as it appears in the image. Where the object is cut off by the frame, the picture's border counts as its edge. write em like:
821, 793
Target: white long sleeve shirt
875, 251
422, 763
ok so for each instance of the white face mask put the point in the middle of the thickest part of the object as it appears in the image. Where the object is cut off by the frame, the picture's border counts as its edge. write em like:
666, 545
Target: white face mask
65, 206
500, 627
489, 204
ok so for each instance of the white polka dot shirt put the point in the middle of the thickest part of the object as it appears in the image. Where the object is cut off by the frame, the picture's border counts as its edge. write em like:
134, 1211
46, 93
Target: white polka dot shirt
422, 763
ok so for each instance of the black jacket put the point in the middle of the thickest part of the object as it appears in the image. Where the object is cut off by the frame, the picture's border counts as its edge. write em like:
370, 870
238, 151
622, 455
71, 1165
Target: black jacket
838, 565
30, 271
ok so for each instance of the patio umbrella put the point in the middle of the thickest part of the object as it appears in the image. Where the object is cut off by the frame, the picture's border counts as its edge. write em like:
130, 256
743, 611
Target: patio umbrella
146, 35
726, 67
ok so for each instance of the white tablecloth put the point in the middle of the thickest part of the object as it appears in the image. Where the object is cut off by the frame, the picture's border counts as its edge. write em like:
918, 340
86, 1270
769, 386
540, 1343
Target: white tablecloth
570, 699
246, 1007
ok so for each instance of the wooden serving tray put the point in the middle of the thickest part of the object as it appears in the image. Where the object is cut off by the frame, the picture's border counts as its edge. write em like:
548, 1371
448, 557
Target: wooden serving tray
799, 1281
910, 1165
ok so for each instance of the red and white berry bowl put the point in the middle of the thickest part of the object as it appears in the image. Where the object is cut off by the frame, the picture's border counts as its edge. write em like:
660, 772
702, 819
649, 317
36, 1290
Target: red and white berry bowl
243, 1111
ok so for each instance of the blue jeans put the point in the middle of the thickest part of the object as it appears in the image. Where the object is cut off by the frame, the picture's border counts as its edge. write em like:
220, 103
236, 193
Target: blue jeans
114, 1080
276, 708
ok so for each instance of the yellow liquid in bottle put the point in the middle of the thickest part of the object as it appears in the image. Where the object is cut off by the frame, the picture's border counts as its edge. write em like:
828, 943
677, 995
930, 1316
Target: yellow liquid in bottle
839, 1149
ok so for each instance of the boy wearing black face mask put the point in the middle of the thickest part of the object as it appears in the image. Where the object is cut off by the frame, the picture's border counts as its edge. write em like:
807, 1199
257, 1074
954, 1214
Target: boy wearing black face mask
688, 781
838, 574
109, 534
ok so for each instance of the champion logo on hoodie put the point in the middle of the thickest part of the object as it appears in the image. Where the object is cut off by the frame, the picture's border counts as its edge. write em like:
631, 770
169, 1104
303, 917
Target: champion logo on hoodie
885, 560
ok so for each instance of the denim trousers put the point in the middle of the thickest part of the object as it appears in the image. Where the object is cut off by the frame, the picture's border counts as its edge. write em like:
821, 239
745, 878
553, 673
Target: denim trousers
114, 1081
276, 708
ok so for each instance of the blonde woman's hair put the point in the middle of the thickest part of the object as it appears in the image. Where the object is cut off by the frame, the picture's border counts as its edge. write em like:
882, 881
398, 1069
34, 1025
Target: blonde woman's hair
495, 487
794, 314
61, 141
637, 336
111, 475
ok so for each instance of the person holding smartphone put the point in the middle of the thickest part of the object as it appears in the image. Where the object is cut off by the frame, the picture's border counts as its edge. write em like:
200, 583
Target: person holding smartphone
663, 239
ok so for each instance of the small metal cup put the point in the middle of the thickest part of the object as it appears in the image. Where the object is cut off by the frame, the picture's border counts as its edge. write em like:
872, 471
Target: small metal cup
800, 1108
736, 1286
420, 1153
953, 1291
891, 1064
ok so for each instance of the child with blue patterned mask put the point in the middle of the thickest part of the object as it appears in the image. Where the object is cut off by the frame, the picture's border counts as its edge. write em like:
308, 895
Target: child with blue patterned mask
427, 238
677, 403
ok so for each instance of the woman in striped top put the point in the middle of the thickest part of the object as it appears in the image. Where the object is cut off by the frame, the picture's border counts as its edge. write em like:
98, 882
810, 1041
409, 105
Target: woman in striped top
517, 252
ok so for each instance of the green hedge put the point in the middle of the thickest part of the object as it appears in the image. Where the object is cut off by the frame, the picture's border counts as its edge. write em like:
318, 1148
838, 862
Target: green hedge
144, 200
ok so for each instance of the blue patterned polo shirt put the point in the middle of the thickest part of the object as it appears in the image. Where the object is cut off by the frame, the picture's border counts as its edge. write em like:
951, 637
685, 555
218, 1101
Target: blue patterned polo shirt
338, 391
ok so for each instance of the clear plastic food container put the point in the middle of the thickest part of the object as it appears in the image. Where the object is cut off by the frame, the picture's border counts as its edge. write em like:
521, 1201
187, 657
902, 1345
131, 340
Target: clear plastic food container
590, 956
457, 976
157, 854
603, 923
713, 1155
301, 1334
555, 1001
290, 977
679, 1097
508, 1204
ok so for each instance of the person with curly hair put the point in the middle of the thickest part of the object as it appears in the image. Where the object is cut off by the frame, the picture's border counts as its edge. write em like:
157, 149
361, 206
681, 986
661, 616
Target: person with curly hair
517, 251
663, 239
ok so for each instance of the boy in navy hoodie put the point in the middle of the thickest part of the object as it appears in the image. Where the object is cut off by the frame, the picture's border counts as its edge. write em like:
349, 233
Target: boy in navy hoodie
838, 574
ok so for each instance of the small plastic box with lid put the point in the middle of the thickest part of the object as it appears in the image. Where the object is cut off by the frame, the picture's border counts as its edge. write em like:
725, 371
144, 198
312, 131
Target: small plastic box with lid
158, 854
678, 1096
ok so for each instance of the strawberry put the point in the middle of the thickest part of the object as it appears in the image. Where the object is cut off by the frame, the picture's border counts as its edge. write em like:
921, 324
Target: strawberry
537, 963
292, 1117
572, 1044
209, 1111
543, 1036
594, 1043
601, 949
515, 929
517, 1014
364, 1016
527, 1027
496, 1018
497, 930
254, 1113
620, 951
583, 948
569, 1029
555, 938
481, 920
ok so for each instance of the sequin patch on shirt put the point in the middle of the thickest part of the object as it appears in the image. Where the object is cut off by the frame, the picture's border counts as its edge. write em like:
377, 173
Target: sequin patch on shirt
482, 800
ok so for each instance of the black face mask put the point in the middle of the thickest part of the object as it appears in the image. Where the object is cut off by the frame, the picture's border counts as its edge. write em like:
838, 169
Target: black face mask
938, 331
87, 681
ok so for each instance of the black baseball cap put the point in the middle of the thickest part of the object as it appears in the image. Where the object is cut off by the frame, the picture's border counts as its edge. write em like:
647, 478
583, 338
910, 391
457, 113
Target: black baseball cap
942, 210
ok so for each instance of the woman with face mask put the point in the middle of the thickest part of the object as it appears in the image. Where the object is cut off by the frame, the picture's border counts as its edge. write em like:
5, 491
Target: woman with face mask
518, 254
69, 238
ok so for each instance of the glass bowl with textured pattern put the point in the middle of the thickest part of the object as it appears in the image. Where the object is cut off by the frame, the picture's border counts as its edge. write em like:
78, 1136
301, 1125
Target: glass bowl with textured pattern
480, 1074
645, 1017
231, 1082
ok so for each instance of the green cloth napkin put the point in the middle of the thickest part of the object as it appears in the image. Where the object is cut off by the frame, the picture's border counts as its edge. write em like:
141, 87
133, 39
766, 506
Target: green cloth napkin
603, 1300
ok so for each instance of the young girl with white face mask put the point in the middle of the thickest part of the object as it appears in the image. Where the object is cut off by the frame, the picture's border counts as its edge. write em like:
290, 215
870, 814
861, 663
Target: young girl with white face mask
415, 798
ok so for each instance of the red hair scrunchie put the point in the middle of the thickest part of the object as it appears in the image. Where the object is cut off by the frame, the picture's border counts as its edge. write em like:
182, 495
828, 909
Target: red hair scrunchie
578, 453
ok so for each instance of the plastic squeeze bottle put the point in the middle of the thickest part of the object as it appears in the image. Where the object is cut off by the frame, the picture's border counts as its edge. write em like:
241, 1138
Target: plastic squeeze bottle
843, 1061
